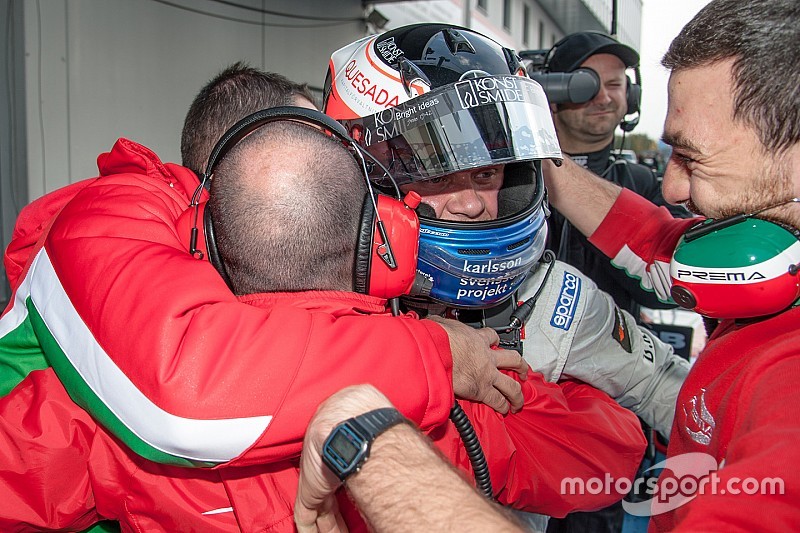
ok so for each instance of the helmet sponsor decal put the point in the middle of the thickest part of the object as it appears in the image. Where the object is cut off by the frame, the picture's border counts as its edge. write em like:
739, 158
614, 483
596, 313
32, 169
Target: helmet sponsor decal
490, 266
362, 82
388, 50
483, 91
476, 289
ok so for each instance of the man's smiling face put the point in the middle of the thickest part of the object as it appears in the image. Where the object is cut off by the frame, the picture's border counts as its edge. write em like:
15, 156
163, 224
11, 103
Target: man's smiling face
718, 165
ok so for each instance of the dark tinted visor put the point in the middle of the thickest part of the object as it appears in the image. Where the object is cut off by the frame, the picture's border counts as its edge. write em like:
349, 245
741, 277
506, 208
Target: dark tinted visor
471, 124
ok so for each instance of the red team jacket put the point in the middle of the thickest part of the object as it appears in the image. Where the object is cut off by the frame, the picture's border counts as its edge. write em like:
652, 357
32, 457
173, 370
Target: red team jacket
529, 453
152, 343
739, 403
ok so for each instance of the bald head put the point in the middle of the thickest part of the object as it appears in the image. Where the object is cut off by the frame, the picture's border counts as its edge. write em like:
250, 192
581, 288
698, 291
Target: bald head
286, 203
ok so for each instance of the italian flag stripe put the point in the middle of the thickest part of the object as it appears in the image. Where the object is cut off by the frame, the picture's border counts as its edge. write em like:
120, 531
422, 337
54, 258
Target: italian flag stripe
773, 267
100, 387
655, 279
20, 352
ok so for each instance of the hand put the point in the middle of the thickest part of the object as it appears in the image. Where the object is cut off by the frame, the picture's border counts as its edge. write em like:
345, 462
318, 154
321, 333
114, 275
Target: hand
476, 360
315, 507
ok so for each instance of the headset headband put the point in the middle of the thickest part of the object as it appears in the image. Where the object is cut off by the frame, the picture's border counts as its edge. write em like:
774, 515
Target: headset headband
254, 121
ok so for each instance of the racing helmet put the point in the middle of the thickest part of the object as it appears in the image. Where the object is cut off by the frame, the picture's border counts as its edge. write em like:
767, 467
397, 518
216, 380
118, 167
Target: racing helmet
428, 100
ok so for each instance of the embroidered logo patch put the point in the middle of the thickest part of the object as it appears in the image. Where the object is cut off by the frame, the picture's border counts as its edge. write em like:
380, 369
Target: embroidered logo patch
699, 422
620, 330
567, 302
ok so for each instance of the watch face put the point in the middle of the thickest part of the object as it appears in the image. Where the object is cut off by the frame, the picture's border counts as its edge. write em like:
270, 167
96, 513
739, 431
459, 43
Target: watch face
344, 446
344, 451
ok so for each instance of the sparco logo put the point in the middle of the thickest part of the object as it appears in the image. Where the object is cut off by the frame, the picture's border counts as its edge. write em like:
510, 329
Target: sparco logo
567, 302
719, 276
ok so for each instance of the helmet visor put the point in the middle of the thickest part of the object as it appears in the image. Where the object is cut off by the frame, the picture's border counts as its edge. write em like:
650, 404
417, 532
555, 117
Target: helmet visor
474, 123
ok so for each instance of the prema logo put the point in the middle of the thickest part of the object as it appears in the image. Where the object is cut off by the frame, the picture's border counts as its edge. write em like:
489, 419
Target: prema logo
712, 275
685, 477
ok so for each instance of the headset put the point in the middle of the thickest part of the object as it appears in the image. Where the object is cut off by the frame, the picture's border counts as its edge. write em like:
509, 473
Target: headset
633, 97
737, 267
388, 238
633, 92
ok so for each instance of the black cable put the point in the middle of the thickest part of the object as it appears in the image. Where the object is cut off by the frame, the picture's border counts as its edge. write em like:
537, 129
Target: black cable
287, 15
521, 315
464, 427
477, 459
243, 21
621, 144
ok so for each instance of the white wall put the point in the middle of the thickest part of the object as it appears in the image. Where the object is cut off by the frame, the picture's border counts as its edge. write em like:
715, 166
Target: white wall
97, 70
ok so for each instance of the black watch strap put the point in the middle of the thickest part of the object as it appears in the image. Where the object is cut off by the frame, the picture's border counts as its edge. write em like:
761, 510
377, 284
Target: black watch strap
373, 423
348, 446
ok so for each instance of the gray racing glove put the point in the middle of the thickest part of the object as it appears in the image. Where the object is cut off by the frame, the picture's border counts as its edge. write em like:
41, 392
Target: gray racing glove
576, 331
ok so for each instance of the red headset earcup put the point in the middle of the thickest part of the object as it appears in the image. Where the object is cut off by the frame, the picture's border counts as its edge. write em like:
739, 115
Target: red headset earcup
402, 230
737, 269
737, 301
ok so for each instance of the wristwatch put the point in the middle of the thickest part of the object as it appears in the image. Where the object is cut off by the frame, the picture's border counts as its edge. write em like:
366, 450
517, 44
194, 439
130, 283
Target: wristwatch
347, 447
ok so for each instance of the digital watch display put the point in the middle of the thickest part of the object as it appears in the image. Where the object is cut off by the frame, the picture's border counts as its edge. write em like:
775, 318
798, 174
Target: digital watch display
347, 447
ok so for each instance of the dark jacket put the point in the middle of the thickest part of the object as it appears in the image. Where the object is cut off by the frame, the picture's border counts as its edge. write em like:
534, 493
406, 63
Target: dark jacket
573, 248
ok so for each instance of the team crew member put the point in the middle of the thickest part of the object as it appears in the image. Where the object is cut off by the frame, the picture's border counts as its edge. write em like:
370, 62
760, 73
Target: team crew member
586, 134
103, 286
738, 402
251, 214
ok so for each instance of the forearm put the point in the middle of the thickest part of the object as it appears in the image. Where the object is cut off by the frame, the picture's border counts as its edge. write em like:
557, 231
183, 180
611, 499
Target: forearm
582, 197
406, 485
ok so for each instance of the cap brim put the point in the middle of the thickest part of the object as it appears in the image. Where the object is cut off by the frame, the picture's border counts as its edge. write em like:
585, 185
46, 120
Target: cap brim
625, 53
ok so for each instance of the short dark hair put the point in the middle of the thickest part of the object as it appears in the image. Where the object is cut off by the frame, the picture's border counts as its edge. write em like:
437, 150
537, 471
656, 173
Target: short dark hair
234, 93
286, 204
763, 39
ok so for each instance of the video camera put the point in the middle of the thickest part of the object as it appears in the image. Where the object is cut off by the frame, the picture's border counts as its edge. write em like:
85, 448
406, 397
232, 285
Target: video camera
577, 87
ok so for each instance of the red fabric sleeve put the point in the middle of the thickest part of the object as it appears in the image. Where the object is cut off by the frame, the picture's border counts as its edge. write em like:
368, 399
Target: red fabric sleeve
44, 442
650, 231
29, 228
565, 430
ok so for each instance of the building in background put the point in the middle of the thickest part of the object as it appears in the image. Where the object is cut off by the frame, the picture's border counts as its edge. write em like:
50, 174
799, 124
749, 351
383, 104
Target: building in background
523, 24
78, 74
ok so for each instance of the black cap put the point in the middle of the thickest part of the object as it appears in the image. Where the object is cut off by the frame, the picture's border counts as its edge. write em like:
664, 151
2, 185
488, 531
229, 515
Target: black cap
576, 48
